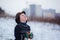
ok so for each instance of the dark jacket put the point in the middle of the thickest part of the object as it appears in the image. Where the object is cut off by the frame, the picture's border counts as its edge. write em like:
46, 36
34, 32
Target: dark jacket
20, 30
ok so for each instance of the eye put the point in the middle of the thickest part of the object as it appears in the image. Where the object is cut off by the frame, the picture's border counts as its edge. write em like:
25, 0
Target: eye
22, 15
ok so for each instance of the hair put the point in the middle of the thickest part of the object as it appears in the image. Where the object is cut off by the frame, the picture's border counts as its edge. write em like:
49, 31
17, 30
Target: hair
17, 18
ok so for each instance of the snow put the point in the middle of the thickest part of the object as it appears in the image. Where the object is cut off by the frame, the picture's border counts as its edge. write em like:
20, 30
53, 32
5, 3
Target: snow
41, 30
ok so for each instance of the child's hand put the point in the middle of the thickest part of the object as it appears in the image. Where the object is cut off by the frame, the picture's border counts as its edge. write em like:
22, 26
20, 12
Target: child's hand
29, 35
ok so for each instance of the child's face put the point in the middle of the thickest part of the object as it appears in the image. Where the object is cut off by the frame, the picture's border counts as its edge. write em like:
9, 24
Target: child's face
23, 17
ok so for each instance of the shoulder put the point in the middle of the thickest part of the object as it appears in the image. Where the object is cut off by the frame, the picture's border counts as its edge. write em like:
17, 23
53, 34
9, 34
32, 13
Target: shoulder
28, 26
17, 26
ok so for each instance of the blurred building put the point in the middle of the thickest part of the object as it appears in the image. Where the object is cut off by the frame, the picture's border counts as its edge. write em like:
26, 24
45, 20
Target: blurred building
38, 11
50, 13
32, 10
57, 16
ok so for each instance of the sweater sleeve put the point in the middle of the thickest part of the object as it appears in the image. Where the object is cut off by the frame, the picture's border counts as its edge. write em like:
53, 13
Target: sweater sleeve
17, 29
29, 28
17, 32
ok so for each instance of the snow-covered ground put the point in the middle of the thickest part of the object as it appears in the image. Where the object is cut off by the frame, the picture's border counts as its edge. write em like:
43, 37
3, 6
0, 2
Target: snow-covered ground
41, 30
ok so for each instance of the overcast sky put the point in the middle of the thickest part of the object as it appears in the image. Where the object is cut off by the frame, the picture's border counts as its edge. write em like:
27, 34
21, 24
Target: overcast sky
14, 6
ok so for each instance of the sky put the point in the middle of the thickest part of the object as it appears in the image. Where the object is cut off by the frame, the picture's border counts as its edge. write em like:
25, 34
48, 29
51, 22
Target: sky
14, 6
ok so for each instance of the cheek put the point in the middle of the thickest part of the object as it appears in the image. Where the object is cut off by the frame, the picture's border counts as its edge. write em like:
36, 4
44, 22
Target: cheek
26, 18
23, 18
